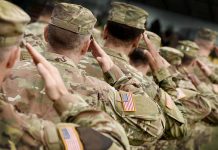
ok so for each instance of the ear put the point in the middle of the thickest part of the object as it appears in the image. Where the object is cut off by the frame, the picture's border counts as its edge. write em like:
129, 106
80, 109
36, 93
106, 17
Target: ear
136, 41
105, 32
85, 47
13, 57
46, 33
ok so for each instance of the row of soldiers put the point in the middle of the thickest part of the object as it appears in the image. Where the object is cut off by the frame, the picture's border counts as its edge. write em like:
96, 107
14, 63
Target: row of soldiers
76, 87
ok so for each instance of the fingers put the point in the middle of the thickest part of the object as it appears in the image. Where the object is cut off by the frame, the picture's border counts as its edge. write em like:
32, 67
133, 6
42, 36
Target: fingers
150, 46
38, 58
34, 54
96, 49
150, 59
49, 82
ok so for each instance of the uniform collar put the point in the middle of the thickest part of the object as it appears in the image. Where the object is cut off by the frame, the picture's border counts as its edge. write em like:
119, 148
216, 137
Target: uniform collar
114, 53
58, 58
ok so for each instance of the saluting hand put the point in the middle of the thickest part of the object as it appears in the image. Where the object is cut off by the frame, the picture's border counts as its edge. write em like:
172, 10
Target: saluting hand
156, 61
103, 59
205, 69
54, 84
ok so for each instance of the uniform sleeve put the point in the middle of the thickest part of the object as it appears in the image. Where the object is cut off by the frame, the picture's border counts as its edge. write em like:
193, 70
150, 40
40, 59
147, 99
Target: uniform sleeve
87, 125
212, 98
78, 111
213, 78
176, 124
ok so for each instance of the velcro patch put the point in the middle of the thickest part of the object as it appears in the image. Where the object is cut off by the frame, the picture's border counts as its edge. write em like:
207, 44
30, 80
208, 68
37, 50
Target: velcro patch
128, 101
70, 138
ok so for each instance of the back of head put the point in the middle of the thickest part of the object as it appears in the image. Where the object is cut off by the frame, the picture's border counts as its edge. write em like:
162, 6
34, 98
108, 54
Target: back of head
70, 25
125, 21
206, 34
206, 38
13, 21
138, 58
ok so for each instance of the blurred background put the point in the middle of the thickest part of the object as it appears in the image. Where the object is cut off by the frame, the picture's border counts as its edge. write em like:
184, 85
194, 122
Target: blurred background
173, 20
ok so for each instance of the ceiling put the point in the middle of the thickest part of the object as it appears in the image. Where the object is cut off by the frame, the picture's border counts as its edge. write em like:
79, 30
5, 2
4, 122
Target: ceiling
202, 9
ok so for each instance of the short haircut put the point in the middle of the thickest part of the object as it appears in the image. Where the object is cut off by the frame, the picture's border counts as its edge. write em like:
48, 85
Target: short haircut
123, 32
59, 38
137, 57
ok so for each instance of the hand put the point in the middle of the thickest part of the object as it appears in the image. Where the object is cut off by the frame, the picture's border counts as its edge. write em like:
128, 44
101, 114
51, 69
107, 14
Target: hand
205, 69
103, 59
194, 79
54, 84
156, 61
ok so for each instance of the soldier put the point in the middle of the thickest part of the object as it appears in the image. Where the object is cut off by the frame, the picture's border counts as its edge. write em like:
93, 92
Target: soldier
68, 37
201, 133
205, 39
29, 132
122, 35
195, 93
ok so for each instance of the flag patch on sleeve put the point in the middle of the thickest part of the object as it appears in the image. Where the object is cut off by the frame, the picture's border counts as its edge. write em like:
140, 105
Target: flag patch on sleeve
128, 102
70, 138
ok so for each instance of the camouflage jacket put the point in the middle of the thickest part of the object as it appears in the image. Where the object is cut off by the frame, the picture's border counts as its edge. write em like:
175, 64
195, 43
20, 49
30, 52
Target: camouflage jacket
143, 125
79, 120
175, 121
194, 99
211, 90
201, 75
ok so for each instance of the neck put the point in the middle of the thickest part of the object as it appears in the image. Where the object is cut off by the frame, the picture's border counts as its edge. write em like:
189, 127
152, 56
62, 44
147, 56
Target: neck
75, 57
204, 52
123, 49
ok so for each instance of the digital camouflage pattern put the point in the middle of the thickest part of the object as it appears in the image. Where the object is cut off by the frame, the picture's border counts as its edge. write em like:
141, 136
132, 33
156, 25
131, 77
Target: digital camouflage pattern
12, 23
172, 55
188, 48
34, 35
73, 18
145, 125
127, 14
34, 133
44, 134
195, 99
175, 122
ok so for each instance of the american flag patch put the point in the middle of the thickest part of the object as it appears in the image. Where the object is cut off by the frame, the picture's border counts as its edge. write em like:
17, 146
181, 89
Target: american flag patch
128, 102
70, 138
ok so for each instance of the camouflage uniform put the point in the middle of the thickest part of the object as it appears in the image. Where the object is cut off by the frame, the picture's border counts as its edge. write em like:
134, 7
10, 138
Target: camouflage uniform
195, 99
201, 132
210, 36
143, 126
26, 131
175, 122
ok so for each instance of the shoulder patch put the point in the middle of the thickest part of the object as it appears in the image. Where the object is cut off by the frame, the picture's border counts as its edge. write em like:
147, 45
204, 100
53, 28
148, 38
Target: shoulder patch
128, 101
70, 138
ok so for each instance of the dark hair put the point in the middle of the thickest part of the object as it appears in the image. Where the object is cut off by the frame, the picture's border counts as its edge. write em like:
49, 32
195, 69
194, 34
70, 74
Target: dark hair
138, 57
123, 32
60, 38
